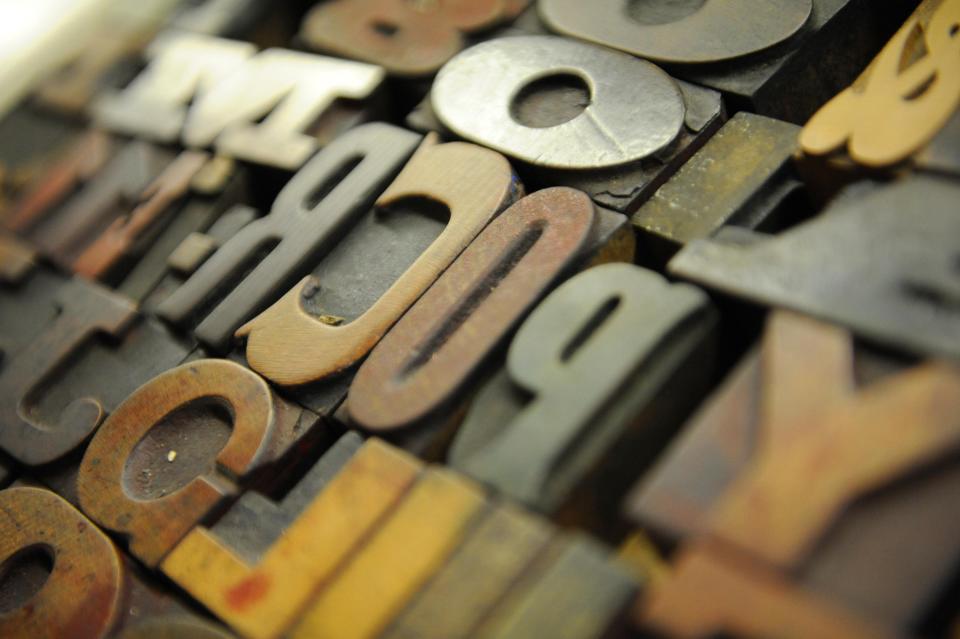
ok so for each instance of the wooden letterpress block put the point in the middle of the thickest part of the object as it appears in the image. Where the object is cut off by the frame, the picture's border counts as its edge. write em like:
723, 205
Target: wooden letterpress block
743, 176
493, 557
409, 547
32, 142
79, 313
612, 361
183, 444
324, 326
17, 263
116, 213
201, 229
367, 265
26, 291
405, 39
674, 499
75, 351
50, 179
66, 221
902, 113
122, 238
880, 261
848, 491
574, 591
315, 209
782, 59
259, 566
574, 114
209, 212
65, 579
711, 591
425, 367
232, 88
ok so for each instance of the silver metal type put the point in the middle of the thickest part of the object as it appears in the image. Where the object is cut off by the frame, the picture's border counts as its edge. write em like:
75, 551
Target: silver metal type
635, 108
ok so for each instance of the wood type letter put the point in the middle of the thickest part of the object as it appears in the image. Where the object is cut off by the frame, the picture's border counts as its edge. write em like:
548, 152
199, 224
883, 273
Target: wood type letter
86, 311
604, 329
407, 549
82, 594
443, 341
895, 108
263, 598
290, 346
308, 216
132, 483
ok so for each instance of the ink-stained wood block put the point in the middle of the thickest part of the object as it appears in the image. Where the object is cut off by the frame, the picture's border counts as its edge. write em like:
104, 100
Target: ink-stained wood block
312, 212
371, 264
424, 368
115, 215
902, 113
260, 566
711, 592
80, 594
123, 237
27, 294
594, 361
493, 557
407, 40
209, 213
844, 476
90, 228
673, 500
742, 176
44, 183
202, 228
409, 547
879, 260
78, 351
291, 343
566, 114
575, 590
221, 94
33, 141
65, 578
256, 521
184, 443
792, 59
83, 313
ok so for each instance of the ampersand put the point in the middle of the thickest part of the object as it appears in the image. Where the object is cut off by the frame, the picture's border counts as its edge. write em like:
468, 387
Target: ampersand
897, 106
